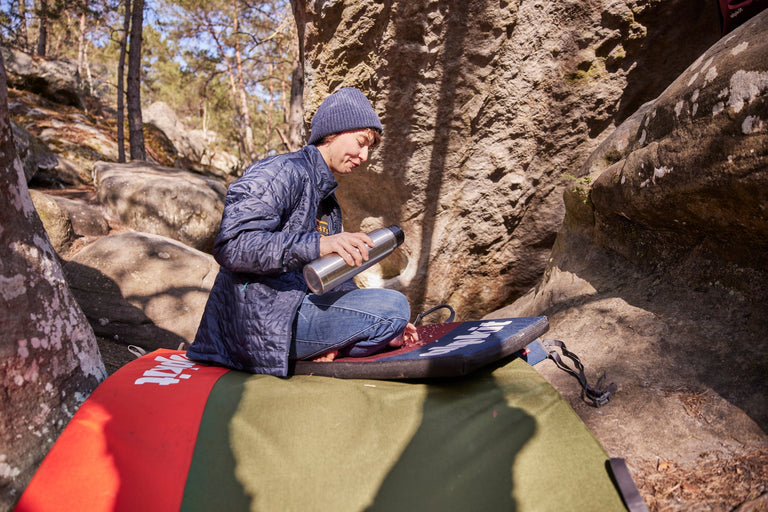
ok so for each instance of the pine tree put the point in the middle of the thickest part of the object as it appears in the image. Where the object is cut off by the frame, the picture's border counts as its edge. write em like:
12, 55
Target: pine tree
42, 35
135, 124
121, 82
248, 45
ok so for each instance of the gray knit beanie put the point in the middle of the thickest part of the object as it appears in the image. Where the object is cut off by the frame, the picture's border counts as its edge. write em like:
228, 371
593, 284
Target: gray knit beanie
346, 109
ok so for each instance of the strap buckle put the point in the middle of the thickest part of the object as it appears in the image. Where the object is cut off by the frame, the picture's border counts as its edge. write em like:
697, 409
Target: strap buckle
596, 396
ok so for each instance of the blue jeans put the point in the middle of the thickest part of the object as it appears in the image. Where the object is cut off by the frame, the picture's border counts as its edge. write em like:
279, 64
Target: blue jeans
358, 323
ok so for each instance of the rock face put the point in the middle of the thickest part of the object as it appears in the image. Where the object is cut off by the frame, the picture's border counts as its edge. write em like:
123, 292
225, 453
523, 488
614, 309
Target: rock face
74, 138
694, 180
161, 200
55, 80
485, 107
142, 289
49, 359
194, 148
66, 220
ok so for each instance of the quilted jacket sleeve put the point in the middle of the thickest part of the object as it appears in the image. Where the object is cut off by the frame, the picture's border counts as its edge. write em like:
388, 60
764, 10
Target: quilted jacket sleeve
264, 228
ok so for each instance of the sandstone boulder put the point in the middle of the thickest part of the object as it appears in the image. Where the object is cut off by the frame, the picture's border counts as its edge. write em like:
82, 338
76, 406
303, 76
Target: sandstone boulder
56, 80
161, 200
695, 178
486, 106
142, 289
195, 148
36, 158
659, 278
87, 220
65, 220
56, 220
163, 116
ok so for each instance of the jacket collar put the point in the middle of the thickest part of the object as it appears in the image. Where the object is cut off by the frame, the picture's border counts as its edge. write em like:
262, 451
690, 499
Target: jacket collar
323, 177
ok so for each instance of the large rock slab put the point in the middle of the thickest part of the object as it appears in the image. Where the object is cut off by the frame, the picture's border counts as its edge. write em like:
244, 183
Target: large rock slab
56, 80
694, 180
162, 200
142, 289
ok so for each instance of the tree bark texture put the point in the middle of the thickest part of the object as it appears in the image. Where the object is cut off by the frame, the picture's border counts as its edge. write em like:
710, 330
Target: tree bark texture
23, 37
121, 84
49, 359
42, 39
135, 124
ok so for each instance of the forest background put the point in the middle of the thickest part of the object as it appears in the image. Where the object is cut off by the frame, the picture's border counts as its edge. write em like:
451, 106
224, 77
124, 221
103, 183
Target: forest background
224, 66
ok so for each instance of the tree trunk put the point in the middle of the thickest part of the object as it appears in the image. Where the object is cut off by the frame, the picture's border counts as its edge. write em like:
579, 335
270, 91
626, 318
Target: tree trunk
241, 96
23, 38
121, 84
135, 124
269, 108
296, 131
88, 75
296, 111
240, 128
42, 40
49, 358
81, 44
205, 119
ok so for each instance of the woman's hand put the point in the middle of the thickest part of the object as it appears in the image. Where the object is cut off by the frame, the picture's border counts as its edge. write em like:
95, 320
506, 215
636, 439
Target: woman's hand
352, 247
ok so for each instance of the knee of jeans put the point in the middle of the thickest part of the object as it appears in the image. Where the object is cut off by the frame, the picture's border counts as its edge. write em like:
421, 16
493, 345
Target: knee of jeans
398, 326
400, 309
399, 321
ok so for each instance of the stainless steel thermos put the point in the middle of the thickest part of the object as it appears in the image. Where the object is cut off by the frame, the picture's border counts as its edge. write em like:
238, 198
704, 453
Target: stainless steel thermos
323, 274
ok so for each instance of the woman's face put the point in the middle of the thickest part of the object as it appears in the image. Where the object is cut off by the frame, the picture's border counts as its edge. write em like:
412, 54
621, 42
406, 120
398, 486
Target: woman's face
347, 150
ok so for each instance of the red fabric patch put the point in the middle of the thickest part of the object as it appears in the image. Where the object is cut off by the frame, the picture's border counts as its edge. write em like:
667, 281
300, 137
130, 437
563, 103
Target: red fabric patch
130, 444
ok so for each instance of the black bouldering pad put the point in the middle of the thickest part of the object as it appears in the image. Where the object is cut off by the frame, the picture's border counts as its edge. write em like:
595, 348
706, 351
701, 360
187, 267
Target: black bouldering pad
444, 350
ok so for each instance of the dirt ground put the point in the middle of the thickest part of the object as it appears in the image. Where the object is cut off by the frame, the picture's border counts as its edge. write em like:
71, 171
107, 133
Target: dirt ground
691, 364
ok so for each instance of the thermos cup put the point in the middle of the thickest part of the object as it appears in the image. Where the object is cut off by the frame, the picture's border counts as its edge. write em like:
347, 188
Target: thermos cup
324, 274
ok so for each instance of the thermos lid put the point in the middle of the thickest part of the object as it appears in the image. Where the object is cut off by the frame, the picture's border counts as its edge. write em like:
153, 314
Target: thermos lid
399, 234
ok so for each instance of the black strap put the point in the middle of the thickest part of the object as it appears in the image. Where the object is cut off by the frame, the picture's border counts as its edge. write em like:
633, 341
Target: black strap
596, 396
629, 491
432, 310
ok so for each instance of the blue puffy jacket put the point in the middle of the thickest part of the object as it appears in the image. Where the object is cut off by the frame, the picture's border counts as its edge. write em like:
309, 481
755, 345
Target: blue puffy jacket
268, 232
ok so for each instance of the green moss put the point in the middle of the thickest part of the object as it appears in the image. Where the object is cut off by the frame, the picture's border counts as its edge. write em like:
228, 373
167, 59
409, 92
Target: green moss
582, 187
612, 156
580, 76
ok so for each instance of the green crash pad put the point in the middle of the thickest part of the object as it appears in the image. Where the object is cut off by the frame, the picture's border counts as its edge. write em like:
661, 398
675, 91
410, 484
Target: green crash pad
502, 439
